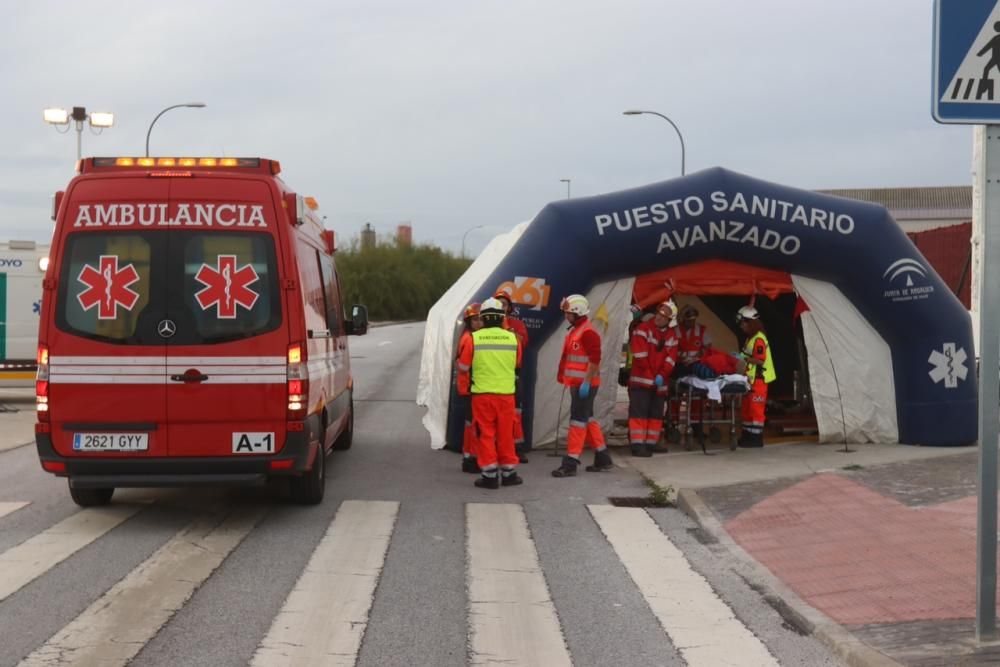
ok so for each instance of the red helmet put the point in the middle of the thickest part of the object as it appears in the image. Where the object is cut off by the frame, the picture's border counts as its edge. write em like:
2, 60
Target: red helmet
504, 294
472, 310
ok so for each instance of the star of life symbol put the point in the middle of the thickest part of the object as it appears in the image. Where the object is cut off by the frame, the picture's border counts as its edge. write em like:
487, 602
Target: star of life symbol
108, 287
226, 287
949, 365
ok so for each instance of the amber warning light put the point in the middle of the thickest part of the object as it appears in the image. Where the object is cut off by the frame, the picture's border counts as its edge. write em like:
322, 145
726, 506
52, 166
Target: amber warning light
142, 162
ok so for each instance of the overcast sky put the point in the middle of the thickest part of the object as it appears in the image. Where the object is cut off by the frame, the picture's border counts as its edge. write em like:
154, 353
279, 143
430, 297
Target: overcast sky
452, 114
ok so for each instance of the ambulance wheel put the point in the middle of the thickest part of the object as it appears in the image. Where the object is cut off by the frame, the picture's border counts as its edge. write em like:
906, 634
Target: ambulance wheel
308, 488
91, 497
346, 437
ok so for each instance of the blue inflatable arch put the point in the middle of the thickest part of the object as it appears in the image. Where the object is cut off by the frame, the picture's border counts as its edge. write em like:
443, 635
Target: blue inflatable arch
719, 214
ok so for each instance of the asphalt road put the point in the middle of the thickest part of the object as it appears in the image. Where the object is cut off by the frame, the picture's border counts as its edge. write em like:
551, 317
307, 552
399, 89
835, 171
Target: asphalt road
251, 546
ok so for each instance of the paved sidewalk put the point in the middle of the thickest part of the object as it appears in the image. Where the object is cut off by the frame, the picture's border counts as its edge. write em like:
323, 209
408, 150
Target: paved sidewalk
873, 550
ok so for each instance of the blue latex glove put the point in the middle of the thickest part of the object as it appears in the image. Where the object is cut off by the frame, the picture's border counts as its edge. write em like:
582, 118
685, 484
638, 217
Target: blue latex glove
585, 389
658, 381
736, 355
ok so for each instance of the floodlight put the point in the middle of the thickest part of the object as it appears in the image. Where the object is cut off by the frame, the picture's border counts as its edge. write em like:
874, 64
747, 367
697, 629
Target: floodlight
56, 116
102, 119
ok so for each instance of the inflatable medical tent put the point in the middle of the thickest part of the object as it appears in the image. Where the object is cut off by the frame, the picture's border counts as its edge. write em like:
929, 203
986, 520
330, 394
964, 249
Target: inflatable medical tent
890, 350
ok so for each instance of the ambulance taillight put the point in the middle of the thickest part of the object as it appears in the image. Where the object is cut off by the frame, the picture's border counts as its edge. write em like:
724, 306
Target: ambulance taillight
42, 384
298, 382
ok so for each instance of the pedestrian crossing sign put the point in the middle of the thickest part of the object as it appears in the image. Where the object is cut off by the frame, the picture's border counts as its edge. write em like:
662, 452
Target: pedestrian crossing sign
966, 87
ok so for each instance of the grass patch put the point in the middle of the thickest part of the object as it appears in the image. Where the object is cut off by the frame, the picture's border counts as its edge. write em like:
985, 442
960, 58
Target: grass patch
660, 496
853, 466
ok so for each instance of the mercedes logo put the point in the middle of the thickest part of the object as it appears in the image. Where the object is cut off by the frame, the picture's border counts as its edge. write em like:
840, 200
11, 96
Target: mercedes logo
166, 328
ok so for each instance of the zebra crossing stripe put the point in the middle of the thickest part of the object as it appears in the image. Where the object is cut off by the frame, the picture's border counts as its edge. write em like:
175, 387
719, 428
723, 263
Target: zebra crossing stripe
698, 622
8, 508
324, 618
116, 627
511, 616
21, 565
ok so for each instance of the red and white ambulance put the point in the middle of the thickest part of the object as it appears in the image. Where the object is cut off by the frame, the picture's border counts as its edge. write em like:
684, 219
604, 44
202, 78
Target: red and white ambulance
191, 331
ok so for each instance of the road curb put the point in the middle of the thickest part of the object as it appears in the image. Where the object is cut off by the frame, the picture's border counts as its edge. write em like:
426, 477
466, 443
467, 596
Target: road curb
848, 647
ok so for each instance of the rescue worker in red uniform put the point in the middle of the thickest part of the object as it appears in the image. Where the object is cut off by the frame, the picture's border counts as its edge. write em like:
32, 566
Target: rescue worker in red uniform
760, 373
579, 369
493, 359
473, 323
693, 341
654, 349
514, 324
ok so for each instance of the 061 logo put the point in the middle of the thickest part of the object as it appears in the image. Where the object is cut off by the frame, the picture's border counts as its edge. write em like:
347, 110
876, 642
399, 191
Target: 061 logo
527, 291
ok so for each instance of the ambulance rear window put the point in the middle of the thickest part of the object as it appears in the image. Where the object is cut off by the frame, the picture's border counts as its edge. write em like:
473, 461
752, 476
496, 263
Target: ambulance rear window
104, 285
230, 285
204, 287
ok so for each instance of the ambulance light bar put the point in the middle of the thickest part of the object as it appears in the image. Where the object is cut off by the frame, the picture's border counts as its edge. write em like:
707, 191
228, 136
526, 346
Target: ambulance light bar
177, 162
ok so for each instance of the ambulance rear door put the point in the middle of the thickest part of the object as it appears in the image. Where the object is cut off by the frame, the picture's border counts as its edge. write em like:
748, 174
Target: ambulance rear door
107, 382
227, 357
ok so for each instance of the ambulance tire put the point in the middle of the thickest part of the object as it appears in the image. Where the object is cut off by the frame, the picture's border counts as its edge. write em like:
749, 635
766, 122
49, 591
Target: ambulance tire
308, 488
91, 497
346, 437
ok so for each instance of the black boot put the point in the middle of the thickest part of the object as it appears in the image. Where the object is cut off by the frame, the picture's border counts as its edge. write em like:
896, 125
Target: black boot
567, 468
699, 434
641, 449
510, 478
469, 465
751, 440
485, 482
602, 461
522, 456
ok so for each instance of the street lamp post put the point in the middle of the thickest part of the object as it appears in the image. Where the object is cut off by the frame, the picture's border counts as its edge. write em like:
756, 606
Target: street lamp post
193, 105
566, 181
656, 113
466, 234
59, 116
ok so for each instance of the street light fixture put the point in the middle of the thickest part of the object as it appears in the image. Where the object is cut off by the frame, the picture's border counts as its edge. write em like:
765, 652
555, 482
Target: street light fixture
193, 105
656, 113
98, 119
466, 234
566, 181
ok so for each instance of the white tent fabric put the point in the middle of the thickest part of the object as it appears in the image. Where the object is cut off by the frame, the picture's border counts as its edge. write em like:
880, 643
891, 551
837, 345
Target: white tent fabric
441, 335
850, 368
609, 310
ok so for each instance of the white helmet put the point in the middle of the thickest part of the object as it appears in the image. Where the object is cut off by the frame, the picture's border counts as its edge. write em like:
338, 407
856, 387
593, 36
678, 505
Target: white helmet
670, 309
747, 313
492, 306
576, 304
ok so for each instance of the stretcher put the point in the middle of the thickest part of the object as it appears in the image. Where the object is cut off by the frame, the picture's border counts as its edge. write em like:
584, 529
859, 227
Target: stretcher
717, 403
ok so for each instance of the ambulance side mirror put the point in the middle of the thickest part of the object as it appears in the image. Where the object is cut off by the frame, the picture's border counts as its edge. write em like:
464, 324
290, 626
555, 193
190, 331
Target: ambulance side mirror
358, 324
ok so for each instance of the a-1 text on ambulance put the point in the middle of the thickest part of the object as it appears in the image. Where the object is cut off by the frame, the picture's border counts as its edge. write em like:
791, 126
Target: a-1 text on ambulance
192, 331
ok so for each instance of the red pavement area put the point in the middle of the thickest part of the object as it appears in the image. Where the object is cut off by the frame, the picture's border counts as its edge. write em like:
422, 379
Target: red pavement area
864, 558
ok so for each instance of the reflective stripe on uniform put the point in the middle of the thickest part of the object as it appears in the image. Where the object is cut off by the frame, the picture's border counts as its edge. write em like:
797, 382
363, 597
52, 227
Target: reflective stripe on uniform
640, 355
